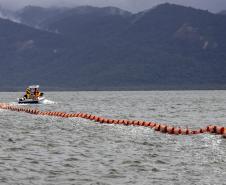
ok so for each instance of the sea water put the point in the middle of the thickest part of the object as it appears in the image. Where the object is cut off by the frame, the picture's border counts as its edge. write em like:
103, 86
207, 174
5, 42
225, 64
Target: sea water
48, 150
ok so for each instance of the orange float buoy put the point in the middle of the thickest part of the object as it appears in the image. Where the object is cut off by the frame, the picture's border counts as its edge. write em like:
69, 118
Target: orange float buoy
214, 129
163, 128
157, 127
79, 114
61, 114
183, 131
57, 114
194, 132
126, 122
72, 115
115, 121
204, 130
219, 130
101, 120
96, 118
110, 121
176, 131
120, 121
188, 131
76, 115
88, 116
42, 113
152, 125
132, 123
140, 123
136, 123
179, 131
92, 117
170, 130
224, 134
129, 122
84, 115
210, 128
106, 120
147, 124
66, 115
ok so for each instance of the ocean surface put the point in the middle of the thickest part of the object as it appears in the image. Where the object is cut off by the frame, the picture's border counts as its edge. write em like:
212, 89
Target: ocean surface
57, 151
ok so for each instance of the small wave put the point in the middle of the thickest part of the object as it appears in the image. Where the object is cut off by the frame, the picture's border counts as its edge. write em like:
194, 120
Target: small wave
46, 102
18, 104
15, 103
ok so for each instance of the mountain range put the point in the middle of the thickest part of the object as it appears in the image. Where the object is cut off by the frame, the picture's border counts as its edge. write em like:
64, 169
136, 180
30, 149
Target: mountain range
223, 12
91, 48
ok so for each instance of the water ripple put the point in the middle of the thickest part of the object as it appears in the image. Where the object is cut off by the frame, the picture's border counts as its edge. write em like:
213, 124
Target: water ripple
47, 150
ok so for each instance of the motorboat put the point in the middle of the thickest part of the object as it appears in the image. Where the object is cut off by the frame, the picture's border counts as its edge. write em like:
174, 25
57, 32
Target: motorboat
32, 96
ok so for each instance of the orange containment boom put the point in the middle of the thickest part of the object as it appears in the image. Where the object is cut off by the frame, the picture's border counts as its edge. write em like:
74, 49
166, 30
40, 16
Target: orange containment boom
156, 126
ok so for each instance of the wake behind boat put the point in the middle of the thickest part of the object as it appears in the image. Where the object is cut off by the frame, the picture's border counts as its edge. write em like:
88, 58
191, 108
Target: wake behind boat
32, 96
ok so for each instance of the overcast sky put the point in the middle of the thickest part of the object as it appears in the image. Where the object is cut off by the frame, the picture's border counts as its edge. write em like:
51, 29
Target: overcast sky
132, 5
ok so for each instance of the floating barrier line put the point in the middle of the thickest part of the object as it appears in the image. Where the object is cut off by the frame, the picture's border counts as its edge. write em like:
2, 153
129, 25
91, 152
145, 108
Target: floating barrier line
156, 126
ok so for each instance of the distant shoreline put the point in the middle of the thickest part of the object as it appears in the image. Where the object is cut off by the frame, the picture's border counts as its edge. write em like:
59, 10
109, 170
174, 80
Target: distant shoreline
61, 89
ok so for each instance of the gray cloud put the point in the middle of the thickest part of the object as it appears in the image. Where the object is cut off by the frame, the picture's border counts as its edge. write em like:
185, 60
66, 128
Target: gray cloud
132, 5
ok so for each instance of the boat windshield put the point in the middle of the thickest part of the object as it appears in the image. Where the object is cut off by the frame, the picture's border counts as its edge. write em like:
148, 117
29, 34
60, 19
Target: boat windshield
33, 87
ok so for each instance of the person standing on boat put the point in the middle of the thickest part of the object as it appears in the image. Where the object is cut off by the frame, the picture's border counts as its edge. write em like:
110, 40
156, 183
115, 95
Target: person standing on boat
36, 93
28, 93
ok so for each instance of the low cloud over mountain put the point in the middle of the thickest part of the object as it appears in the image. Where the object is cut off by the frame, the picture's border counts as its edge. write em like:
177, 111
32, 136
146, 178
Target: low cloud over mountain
131, 5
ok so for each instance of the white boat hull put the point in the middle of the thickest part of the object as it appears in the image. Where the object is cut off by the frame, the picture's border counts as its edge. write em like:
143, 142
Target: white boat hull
31, 101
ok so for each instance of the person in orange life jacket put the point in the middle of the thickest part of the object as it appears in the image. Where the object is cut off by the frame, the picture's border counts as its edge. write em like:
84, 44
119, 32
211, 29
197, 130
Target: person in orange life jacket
36, 93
